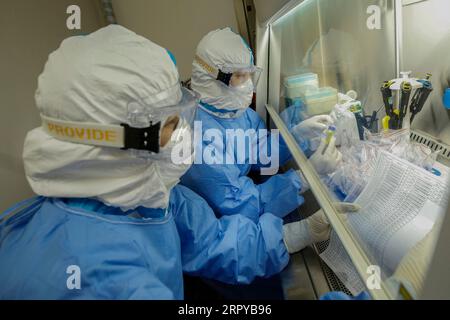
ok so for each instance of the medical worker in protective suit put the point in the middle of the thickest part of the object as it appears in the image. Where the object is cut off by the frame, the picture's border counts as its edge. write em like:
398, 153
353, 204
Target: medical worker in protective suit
224, 75
110, 221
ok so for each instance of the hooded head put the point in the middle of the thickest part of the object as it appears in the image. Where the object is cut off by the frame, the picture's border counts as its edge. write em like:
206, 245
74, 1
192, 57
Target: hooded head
222, 56
91, 88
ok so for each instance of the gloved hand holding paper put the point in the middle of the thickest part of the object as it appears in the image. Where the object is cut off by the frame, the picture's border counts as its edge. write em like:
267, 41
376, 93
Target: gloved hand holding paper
316, 228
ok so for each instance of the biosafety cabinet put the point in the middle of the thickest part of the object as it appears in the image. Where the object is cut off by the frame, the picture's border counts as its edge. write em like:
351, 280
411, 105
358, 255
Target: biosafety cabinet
313, 51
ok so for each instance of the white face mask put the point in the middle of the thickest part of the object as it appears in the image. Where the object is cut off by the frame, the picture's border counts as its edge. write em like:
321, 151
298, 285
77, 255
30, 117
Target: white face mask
177, 155
243, 95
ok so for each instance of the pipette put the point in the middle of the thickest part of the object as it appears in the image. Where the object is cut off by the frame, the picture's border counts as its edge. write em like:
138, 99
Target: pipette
331, 131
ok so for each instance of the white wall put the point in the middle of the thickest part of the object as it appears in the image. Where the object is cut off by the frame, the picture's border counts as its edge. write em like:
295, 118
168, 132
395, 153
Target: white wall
177, 25
266, 9
426, 48
29, 31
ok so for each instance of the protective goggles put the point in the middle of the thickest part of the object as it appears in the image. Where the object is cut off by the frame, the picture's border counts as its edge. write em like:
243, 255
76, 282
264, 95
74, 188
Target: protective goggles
143, 131
232, 76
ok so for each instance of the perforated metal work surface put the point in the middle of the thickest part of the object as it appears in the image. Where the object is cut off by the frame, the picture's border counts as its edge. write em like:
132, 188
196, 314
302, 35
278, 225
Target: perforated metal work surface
333, 281
433, 144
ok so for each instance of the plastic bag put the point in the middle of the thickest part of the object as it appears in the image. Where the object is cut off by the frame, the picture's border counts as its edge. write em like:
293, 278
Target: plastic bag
352, 175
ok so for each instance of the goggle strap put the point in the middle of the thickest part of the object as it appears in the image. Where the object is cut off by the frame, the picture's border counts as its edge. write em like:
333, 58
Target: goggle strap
221, 76
224, 77
104, 135
142, 138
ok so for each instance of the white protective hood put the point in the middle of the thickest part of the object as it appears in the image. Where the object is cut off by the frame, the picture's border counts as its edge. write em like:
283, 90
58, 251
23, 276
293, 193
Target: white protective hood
93, 79
221, 48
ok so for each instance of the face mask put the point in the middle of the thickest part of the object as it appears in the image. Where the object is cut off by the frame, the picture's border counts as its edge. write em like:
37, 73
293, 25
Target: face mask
153, 192
179, 149
177, 155
243, 94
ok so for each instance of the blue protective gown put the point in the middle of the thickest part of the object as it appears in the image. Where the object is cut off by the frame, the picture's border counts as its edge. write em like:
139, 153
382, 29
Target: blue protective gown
226, 187
139, 254
343, 296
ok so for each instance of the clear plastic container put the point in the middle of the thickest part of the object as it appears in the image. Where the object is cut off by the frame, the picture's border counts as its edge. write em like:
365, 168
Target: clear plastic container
320, 101
297, 86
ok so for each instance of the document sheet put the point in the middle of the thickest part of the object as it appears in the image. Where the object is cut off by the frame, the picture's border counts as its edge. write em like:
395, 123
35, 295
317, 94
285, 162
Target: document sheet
400, 205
